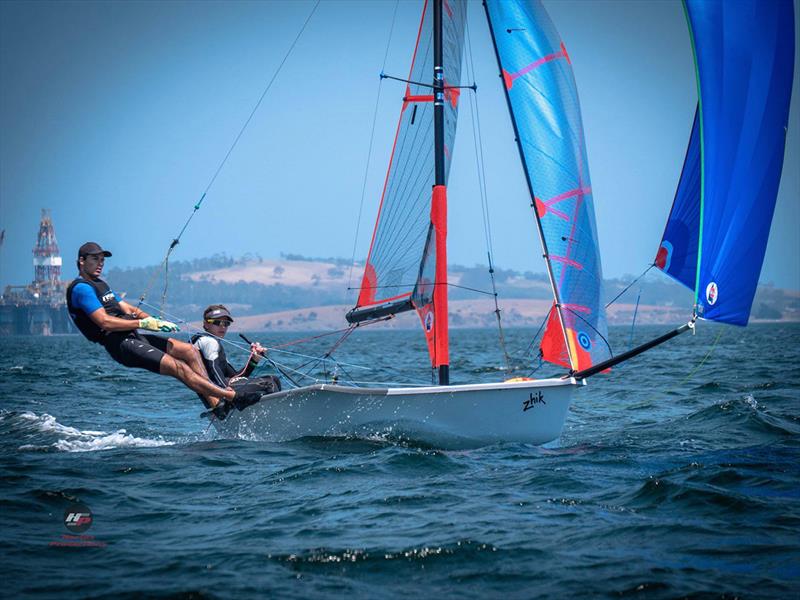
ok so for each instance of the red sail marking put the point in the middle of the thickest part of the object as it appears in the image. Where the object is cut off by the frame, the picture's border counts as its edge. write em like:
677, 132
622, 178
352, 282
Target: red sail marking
451, 94
578, 202
662, 257
578, 308
542, 208
408, 99
546, 206
368, 283
509, 78
567, 261
389, 169
449, 10
553, 346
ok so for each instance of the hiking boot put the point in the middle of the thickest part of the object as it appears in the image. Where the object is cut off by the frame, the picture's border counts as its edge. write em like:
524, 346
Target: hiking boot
220, 411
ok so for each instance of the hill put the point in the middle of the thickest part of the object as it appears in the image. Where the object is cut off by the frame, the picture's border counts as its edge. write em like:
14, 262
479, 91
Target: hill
299, 293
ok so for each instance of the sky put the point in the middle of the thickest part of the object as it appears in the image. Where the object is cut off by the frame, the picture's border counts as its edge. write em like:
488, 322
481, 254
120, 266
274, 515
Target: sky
116, 116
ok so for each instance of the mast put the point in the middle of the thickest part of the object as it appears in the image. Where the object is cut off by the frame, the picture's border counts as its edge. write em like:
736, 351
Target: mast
439, 202
545, 252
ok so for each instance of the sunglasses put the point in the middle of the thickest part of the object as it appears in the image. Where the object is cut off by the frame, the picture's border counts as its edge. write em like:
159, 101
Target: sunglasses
219, 322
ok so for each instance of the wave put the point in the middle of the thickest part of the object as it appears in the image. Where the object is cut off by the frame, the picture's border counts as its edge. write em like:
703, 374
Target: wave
44, 433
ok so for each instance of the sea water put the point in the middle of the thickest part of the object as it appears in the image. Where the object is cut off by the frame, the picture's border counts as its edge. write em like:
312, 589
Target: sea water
675, 475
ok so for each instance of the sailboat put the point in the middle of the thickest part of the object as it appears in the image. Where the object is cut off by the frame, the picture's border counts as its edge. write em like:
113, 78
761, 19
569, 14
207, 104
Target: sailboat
714, 241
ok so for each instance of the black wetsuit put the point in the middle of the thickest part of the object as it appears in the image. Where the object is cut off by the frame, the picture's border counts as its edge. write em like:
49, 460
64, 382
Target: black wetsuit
223, 374
129, 348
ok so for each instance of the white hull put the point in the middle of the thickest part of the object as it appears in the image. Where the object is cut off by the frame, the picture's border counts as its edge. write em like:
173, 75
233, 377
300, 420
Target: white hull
529, 411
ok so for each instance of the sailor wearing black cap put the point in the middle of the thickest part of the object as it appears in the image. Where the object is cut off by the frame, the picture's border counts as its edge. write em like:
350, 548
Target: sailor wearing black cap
216, 321
104, 318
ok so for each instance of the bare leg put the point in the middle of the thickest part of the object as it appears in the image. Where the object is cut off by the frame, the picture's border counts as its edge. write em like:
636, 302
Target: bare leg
188, 354
202, 385
191, 356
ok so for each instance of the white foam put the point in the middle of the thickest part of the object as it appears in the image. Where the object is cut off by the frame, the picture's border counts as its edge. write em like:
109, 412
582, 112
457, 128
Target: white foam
75, 440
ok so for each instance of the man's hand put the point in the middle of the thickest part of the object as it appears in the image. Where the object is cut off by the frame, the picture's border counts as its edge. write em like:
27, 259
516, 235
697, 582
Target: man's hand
153, 324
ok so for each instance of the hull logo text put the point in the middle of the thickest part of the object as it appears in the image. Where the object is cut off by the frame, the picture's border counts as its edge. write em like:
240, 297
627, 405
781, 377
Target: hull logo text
537, 398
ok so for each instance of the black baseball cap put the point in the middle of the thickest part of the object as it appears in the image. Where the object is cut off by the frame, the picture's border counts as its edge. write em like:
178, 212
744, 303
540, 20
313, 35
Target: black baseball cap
92, 248
217, 311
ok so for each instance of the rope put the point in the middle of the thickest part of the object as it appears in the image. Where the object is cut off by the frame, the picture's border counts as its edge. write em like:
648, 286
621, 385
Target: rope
700, 364
369, 151
176, 240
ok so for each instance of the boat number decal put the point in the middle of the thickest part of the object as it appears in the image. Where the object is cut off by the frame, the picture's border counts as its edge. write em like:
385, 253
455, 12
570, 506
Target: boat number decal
429, 321
712, 293
584, 340
537, 398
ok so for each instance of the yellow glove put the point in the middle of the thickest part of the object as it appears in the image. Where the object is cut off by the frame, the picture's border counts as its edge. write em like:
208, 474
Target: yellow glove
153, 324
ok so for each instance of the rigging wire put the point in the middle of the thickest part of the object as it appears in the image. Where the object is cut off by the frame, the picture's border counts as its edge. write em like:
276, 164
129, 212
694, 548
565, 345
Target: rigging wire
176, 240
533, 340
192, 328
281, 367
630, 285
371, 140
480, 167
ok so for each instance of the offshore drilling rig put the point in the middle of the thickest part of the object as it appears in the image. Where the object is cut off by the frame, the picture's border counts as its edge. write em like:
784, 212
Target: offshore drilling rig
40, 307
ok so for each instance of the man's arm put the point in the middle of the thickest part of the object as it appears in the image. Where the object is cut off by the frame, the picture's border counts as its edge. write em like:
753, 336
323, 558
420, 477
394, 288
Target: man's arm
132, 310
108, 323
85, 300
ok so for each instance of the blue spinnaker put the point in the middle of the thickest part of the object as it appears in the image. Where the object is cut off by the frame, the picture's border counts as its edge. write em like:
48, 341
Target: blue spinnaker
677, 255
545, 111
744, 60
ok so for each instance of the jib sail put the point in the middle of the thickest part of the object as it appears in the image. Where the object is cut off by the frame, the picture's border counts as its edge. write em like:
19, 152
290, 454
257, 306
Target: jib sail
543, 102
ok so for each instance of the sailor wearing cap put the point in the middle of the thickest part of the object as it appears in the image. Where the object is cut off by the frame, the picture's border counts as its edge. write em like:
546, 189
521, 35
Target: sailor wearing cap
104, 318
216, 321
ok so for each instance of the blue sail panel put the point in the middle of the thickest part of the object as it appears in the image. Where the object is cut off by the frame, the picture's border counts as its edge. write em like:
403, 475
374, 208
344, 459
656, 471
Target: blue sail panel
543, 100
677, 254
744, 57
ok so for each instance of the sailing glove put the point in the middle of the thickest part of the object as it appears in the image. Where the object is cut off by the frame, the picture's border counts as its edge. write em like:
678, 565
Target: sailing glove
153, 324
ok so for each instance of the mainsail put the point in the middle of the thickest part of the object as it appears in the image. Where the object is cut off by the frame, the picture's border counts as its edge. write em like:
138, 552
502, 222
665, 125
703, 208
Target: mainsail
403, 268
545, 111
716, 235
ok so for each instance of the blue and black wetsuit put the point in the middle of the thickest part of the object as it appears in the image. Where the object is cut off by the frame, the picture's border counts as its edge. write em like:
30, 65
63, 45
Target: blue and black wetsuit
129, 348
